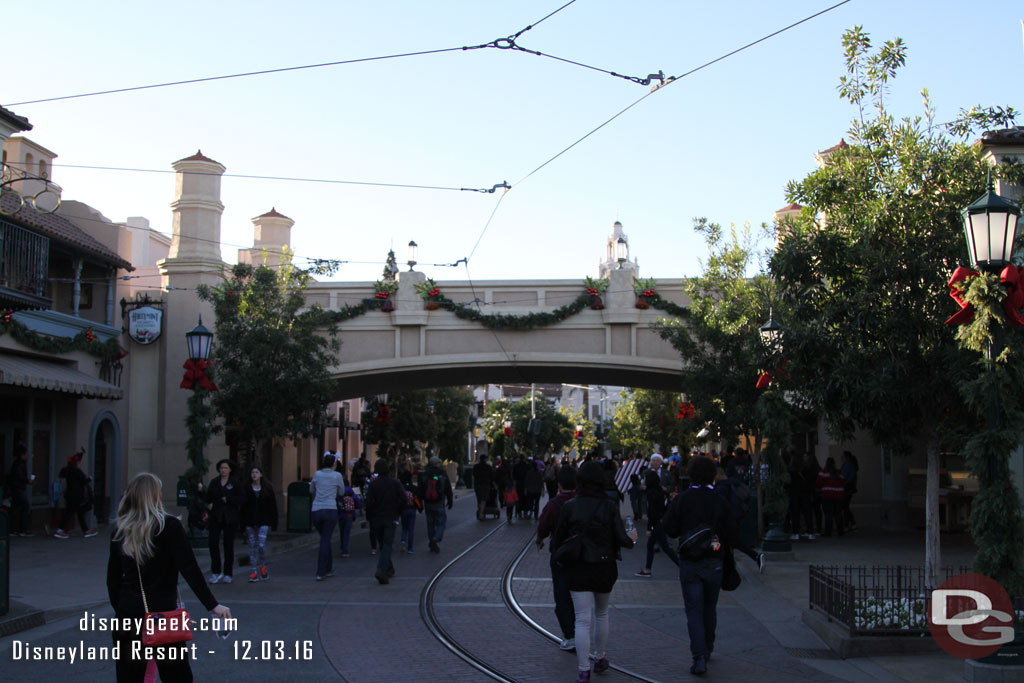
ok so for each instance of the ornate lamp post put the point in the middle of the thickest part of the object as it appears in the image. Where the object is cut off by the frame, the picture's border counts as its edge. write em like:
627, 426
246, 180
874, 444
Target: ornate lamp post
411, 255
621, 251
198, 341
775, 539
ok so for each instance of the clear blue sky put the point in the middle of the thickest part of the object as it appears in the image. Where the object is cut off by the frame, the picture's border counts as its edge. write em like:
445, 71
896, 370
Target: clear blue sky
721, 143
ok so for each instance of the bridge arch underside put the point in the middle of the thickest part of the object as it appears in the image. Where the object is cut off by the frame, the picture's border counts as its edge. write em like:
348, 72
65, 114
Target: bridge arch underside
398, 376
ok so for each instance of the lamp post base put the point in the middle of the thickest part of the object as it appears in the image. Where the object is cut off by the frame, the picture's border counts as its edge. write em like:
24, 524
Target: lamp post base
776, 540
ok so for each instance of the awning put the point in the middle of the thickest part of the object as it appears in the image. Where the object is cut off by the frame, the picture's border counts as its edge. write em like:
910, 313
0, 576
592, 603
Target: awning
40, 374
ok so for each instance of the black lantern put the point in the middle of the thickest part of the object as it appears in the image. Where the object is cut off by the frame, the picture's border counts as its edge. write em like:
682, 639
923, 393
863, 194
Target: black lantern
621, 251
412, 254
771, 336
199, 340
990, 225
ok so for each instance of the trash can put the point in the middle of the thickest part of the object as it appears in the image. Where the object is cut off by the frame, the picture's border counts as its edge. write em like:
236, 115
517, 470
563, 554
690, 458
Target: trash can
467, 476
300, 502
5, 563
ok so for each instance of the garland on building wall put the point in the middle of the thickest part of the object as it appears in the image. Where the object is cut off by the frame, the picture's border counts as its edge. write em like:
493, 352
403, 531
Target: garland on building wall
83, 341
433, 298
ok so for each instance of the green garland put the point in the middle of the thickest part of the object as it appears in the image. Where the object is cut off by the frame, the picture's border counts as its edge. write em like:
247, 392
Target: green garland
83, 341
661, 304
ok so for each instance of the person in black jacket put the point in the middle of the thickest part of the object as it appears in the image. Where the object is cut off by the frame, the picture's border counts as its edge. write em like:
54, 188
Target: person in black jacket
260, 518
483, 478
225, 495
147, 551
385, 500
700, 569
591, 580
655, 495
18, 480
76, 491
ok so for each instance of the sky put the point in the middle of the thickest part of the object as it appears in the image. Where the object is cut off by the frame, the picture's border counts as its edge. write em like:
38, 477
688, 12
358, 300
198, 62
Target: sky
721, 142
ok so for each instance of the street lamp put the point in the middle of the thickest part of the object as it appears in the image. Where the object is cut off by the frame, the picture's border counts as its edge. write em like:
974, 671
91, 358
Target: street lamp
775, 539
621, 251
771, 336
411, 254
198, 341
990, 225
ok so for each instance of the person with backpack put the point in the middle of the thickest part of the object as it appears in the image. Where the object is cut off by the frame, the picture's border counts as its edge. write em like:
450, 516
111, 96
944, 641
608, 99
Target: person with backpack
436, 493
534, 487
590, 523
413, 507
737, 495
703, 522
546, 526
348, 506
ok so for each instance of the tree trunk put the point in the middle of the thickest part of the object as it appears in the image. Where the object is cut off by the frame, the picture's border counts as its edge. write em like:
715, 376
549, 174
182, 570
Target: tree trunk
932, 543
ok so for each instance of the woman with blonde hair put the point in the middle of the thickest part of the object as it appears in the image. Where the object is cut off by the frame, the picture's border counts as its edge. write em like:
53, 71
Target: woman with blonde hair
147, 552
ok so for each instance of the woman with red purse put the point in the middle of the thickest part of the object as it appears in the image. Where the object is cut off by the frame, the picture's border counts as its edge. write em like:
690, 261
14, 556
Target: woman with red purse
147, 552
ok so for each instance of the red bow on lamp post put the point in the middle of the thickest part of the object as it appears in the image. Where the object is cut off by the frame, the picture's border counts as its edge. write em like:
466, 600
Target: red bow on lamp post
769, 376
1011, 277
195, 373
383, 413
685, 411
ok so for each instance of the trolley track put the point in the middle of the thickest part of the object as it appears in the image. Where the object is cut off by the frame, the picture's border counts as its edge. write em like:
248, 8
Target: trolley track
433, 623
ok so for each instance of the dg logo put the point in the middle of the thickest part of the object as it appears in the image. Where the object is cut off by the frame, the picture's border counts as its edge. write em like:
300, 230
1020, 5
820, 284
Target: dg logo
971, 616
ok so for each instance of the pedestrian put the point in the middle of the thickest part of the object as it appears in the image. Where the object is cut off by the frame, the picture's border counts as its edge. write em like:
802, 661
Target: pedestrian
519, 471
483, 479
361, 474
848, 470
655, 495
147, 552
506, 488
534, 487
326, 487
591, 579
225, 497
385, 500
551, 477
546, 526
260, 519
704, 523
810, 473
831, 488
77, 497
18, 480
435, 490
413, 506
611, 489
738, 497
801, 493
636, 495
350, 503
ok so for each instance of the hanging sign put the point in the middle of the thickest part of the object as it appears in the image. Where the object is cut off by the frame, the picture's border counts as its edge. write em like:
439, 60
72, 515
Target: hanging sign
144, 324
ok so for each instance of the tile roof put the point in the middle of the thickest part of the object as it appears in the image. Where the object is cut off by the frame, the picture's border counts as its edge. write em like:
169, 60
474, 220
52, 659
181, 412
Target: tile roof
273, 213
14, 120
790, 207
842, 145
198, 156
58, 228
1006, 136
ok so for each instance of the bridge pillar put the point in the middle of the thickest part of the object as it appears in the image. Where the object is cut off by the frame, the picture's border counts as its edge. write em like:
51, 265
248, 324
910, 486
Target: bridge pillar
408, 303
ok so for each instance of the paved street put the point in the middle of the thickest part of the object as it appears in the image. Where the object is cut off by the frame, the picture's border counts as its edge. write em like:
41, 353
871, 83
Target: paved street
358, 630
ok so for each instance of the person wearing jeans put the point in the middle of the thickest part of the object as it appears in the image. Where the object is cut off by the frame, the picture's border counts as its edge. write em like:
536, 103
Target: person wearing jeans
437, 517
700, 567
327, 488
385, 500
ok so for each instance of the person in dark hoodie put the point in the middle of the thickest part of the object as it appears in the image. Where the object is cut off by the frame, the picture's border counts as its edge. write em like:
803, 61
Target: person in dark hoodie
546, 526
704, 522
385, 500
260, 518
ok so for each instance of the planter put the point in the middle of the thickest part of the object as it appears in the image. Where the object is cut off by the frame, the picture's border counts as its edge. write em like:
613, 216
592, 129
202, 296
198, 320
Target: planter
387, 305
431, 305
642, 304
596, 303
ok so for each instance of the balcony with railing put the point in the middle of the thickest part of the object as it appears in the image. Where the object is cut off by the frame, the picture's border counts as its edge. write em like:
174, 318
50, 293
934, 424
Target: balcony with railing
24, 263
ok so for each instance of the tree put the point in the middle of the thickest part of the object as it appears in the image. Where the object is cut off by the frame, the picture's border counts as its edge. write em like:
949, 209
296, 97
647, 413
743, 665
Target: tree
555, 431
436, 419
272, 358
648, 418
864, 267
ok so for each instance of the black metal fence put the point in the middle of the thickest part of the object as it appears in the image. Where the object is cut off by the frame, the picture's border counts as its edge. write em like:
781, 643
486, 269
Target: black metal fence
879, 600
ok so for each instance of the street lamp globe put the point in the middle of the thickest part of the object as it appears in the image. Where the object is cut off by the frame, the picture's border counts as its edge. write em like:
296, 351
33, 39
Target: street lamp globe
771, 336
198, 340
411, 255
621, 251
990, 225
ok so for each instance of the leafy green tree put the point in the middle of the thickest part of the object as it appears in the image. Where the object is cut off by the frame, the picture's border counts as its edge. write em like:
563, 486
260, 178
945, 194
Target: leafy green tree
436, 420
452, 418
272, 359
863, 270
555, 434
648, 418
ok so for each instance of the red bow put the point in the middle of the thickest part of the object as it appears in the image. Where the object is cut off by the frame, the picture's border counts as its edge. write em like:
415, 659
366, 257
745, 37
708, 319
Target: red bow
195, 371
685, 410
767, 377
508, 431
383, 413
1010, 278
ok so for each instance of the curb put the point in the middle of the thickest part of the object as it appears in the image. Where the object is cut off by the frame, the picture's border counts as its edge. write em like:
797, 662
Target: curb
37, 618
838, 638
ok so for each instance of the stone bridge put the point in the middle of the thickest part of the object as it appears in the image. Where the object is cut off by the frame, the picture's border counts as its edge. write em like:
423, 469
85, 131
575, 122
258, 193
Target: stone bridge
413, 348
